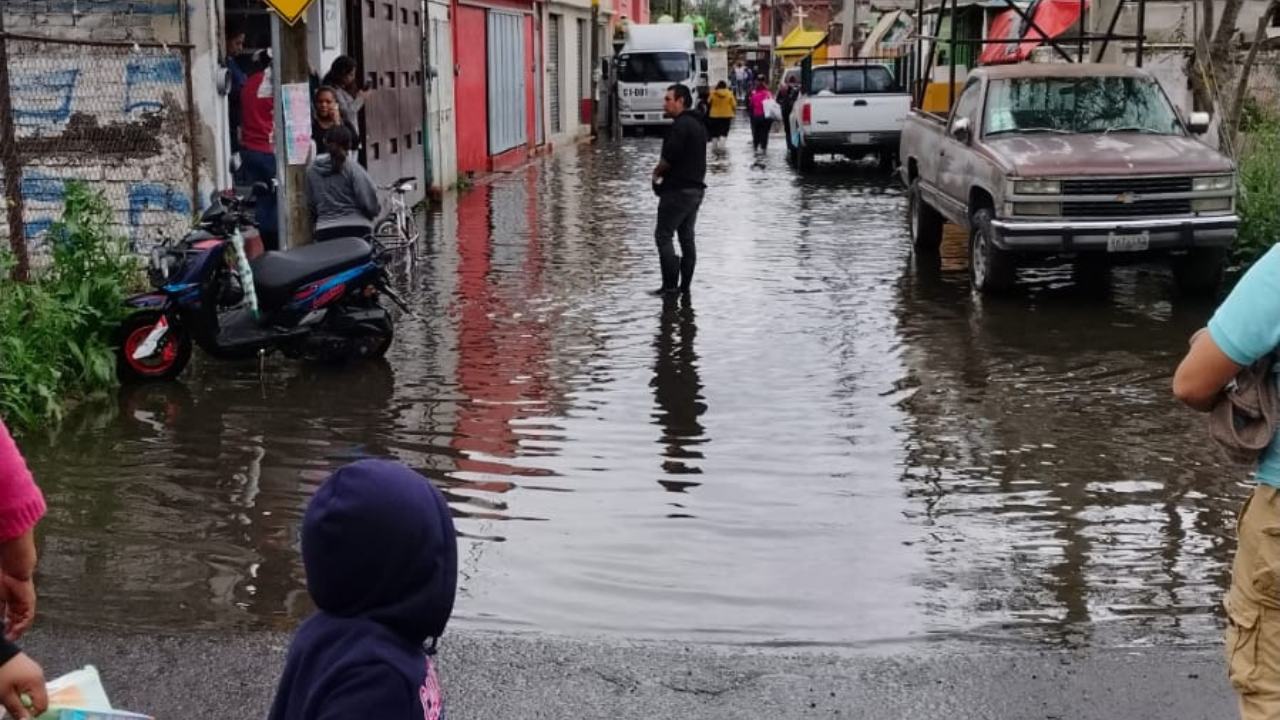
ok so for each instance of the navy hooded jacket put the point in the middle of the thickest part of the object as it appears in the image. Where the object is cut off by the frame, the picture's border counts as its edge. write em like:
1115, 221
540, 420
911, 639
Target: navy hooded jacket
381, 558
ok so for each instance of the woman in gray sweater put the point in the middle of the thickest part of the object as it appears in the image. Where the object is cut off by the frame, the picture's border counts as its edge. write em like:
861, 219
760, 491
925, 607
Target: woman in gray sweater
340, 195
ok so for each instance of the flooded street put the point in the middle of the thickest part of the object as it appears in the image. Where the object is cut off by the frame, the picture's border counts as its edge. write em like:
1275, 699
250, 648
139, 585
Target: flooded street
826, 445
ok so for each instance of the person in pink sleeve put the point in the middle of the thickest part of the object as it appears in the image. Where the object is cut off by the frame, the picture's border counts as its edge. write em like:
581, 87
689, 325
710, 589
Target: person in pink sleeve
21, 507
760, 123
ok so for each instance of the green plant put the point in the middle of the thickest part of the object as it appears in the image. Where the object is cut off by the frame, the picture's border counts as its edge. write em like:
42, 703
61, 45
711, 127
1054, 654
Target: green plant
55, 332
1259, 187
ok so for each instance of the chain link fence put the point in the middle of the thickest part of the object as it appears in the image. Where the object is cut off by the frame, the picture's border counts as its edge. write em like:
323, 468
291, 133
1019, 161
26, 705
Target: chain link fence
118, 116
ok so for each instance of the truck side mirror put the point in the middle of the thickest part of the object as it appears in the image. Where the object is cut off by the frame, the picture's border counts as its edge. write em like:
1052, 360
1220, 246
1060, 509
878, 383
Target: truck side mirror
962, 130
1198, 123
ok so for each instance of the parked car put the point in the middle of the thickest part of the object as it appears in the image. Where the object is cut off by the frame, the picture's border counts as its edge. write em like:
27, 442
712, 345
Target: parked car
1083, 161
850, 110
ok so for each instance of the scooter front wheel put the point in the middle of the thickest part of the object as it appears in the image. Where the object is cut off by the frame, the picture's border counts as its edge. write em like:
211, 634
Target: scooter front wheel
166, 361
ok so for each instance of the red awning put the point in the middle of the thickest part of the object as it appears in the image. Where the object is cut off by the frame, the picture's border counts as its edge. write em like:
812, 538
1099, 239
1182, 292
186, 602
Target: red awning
1051, 16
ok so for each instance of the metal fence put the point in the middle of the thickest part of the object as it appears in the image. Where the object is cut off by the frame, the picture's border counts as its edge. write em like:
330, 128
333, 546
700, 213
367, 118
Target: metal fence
116, 115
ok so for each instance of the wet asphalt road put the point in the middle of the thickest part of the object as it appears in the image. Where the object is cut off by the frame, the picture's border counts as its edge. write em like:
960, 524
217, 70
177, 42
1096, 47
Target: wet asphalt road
835, 476
496, 677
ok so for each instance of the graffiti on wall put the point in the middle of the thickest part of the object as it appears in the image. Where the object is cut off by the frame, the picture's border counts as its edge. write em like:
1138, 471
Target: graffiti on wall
113, 118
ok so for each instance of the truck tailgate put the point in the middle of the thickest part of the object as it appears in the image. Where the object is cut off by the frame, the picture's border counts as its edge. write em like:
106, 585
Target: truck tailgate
869, 113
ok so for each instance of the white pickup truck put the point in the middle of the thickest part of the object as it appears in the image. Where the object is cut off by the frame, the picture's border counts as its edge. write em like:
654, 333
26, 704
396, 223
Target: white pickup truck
849, 110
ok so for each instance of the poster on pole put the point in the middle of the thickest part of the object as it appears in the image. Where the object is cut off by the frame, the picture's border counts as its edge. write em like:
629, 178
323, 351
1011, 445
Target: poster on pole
297, 122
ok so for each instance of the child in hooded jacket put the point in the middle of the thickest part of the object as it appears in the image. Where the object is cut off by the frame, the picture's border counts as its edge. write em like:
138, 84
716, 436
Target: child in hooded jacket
381, 560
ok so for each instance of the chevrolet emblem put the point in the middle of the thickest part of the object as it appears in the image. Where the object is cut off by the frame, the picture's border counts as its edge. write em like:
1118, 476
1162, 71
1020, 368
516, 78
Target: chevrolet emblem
289, 10
1126, 198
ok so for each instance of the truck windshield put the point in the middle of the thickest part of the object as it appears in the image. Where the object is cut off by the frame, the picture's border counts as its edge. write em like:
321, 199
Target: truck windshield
849, 80
1079, 105
668, 67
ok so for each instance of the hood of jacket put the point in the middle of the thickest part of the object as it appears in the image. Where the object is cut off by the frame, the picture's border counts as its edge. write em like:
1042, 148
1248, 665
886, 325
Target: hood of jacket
378, 543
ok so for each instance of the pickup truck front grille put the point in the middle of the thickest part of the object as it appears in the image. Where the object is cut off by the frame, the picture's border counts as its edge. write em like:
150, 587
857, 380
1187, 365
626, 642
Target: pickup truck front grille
1139, 208
1117, 186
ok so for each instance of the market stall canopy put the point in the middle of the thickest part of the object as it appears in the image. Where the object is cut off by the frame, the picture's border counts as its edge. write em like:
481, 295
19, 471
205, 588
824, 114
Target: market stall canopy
1052, 16
800, 42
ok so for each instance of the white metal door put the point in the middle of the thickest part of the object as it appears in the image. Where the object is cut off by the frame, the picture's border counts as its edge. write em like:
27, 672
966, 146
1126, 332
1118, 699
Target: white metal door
444, 146
507, 67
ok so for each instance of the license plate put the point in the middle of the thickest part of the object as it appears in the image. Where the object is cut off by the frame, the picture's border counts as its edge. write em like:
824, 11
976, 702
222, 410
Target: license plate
1128, 243
859, 139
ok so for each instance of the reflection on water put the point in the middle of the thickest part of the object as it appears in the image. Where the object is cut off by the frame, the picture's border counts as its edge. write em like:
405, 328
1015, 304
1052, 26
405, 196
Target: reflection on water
677, 390
849, 447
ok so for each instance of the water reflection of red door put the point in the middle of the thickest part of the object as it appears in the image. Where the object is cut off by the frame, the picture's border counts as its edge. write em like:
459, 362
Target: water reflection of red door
502, 344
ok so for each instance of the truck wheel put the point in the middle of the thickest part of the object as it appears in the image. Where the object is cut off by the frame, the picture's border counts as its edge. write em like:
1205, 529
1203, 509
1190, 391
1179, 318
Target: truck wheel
1199, 271
805, 159
925, 222
991, 269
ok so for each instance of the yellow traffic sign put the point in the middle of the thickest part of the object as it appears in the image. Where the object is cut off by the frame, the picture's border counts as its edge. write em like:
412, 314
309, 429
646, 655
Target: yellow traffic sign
289, 10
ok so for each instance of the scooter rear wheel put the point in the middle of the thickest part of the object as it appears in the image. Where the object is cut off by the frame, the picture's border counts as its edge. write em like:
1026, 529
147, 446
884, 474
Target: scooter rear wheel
166, 363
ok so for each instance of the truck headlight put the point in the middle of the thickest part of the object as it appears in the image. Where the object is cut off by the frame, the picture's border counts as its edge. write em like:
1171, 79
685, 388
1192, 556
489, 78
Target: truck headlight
1213, 205
1216, 182
1041, 209
1037, 187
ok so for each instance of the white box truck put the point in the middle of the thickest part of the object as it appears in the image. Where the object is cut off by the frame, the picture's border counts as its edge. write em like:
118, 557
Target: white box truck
653, 58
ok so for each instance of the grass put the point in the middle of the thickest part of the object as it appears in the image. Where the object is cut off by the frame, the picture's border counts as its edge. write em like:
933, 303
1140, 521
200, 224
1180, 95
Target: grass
1259, 185
55, 331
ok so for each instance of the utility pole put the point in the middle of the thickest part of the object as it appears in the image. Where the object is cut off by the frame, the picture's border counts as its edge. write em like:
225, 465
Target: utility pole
289, 66
11, 164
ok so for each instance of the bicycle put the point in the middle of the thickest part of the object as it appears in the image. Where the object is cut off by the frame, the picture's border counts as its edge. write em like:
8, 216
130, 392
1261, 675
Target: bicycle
396, 232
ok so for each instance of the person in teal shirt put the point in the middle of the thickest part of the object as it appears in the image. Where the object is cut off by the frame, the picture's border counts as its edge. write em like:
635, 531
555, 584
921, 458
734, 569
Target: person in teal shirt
1245, 328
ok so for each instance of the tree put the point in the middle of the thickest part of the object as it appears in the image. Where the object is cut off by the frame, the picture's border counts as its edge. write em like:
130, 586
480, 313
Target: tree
1231, 127
722, 16
1210, 64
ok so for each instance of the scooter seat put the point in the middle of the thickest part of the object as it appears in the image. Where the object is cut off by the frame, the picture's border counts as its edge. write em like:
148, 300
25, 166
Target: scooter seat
278, 275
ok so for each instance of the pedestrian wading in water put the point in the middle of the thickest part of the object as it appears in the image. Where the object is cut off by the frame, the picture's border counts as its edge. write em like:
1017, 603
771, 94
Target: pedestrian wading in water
680, 181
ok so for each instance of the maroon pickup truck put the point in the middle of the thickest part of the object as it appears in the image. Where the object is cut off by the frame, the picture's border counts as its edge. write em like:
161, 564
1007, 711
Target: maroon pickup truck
1083, 162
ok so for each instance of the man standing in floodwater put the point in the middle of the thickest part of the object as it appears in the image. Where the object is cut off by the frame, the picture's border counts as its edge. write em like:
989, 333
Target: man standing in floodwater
679, 181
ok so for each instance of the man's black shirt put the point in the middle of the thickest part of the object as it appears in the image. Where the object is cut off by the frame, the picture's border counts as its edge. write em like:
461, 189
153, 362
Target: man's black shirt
685, 150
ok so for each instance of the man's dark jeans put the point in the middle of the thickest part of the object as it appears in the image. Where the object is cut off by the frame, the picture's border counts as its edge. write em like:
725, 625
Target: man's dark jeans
677, 214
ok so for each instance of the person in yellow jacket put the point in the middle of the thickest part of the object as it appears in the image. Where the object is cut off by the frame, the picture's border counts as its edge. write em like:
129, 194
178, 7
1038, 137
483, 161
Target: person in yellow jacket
720, 116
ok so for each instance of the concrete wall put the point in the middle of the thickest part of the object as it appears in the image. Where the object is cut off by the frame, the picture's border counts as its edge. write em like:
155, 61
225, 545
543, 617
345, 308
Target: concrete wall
114, 116
572, 57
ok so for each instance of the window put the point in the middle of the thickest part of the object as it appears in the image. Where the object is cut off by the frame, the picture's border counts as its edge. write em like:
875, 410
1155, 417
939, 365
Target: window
395, 146
377, 151
839, 80
1080, 105
667, 67
408, 141
391, 11
391, 79
968, 102
373, 8
417, 19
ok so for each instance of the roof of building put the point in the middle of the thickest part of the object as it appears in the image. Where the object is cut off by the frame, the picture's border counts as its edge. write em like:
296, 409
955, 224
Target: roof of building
801, 39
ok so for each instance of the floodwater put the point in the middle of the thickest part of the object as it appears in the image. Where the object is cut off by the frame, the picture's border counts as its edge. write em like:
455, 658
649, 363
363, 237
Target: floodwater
825, 445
